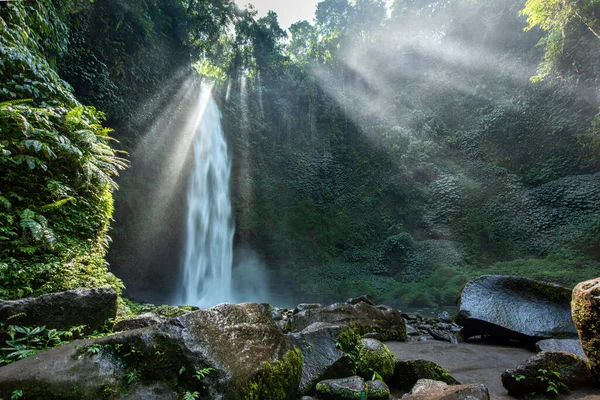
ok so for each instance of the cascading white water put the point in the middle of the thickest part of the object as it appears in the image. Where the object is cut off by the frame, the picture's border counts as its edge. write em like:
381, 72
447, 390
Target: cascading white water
206, 278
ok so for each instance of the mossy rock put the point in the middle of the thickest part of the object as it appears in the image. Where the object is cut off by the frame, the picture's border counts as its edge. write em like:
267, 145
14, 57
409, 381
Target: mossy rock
560, 370
377, 390
375, 356
278, 380
408, 373
352, 388
243, 353
586, 315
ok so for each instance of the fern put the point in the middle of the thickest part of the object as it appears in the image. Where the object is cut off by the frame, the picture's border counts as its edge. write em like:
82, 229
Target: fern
36, 226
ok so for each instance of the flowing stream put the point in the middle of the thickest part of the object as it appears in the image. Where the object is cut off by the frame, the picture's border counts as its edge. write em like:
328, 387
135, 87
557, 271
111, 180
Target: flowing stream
206, 277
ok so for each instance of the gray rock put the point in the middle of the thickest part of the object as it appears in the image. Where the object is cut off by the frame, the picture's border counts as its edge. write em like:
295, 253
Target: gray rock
240, 342
322, 360
527, 377
412, 331
365, 299
140, 321
341, 389
426, 389
510, 307
377, 390
63, 310
572, 346
408, 372
306, 306
385, 320
442, 335
444, 316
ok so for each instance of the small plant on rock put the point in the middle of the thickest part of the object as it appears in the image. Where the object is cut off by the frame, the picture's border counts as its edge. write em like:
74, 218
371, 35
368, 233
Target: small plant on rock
553, 380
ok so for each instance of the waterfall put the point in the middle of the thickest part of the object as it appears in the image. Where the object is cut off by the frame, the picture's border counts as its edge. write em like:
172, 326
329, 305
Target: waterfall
206, 277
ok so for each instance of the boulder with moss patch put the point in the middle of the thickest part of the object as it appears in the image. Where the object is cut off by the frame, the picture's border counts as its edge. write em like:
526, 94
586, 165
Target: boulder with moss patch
387, 321
377, 390
228, 351
322, 359
352, 388
375, 356
586, 315
408, 373
510, 307
548, 371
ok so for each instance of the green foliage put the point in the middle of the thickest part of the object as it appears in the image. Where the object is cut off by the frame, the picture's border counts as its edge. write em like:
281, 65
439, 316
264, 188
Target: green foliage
26, 341
57, 164
190, 395
277, 380
553, 379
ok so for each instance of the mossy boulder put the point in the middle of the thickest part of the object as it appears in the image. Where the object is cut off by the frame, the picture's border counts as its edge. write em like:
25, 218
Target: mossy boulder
545, 371
509, 307
377, 390
586, 315
376, 357
408, 373
241, 352
387, 321
352, 388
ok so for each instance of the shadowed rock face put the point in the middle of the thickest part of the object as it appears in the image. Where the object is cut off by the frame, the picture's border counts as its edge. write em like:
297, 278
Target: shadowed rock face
515, 308
63, 310
586, 315
322, 360
249, 355
527, 377
387, 321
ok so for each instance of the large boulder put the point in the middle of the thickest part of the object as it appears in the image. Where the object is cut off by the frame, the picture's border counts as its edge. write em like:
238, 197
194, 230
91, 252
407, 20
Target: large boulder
322, 359
387, 321
510, 307
408, 373
546, 372
228, 351
62, 310
586, 315
426, 389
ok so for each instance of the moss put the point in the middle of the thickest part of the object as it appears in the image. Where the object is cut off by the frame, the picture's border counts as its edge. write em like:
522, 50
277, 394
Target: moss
330, 392
377, 390
278, 380
374, 356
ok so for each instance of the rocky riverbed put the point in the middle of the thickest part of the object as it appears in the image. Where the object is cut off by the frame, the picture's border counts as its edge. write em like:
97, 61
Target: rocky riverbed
349, 350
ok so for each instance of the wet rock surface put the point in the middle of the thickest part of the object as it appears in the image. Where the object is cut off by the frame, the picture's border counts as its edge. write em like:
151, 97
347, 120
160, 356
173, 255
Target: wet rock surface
246, 352
63, 310
586, 314
546, 371
514, 308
